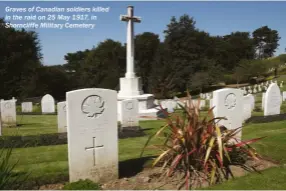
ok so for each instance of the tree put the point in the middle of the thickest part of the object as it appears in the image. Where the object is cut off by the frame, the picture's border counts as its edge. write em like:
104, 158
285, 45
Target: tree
282, 58
146, 45
199, 80
253, 68
165, 77
232, 48
266, 41
187, 46
20, 57
49, 80
75, 60
103, 66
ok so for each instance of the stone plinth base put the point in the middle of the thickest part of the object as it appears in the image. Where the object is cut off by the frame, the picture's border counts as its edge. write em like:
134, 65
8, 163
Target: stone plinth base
147, 109
130, 87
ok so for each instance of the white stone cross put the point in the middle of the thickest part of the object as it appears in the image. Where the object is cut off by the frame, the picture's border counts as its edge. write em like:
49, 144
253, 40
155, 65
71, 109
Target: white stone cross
93, 149
130, 19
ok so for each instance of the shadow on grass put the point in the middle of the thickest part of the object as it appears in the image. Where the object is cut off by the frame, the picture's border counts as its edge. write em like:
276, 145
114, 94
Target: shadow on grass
28, 124
266, 119
131, 167
147, 129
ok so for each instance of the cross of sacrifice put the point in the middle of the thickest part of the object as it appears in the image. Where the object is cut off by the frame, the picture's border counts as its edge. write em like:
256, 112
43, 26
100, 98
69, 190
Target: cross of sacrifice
130, 19
93, 149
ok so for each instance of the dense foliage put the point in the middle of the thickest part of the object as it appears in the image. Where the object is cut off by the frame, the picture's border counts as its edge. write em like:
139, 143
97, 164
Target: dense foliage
187, 57
198, 149
82, 185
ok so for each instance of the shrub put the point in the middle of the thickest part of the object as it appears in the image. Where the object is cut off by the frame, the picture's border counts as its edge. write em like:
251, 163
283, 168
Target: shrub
82, 185
33, 140
197, 148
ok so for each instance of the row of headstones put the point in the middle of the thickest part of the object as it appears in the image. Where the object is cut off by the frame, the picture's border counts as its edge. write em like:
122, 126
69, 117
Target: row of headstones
8, 109
206, 96
91, 116
271, 102
259, 88
93, 135
172, 104
47, 105
91, 119
129, 115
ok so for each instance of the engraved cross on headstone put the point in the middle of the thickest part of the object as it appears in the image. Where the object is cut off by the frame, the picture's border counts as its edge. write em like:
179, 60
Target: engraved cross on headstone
93, 149
130, 122
130, 19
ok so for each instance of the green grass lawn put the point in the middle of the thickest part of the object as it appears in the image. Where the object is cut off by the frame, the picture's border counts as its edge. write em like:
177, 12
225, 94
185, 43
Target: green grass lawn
51, 162
33, 125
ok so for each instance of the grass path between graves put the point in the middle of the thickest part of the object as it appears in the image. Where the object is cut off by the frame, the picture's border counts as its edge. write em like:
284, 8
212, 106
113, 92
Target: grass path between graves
33, 125
51, 162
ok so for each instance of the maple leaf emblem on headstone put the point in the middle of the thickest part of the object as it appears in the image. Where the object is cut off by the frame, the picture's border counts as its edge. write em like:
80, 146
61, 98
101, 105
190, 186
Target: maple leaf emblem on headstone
93, 106
230, 101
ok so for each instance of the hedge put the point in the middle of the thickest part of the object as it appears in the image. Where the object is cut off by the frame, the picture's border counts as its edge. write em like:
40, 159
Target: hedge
54, 139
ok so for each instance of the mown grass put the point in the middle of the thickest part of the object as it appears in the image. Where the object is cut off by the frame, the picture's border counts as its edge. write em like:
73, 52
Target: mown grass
48, 162
33, 125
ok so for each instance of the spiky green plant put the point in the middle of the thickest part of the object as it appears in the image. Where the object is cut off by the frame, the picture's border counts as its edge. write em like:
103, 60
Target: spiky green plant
8, 178
199, 148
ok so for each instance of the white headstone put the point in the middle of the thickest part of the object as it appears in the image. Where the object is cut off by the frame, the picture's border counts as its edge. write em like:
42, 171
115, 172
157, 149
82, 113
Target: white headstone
203, 103
247, 107
8, 112
252, 101
92, 134
62, 117
48, 104
284, 96
228, 103
211, 103
272, 100
263, 100
208, 96
129, 113
27, 107
259, 88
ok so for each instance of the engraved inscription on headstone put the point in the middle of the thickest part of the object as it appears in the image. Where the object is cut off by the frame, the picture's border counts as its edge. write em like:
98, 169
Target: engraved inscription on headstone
8, 105
129, 105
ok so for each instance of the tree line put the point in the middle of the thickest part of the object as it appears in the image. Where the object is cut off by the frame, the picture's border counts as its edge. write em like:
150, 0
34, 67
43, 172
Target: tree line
187, 58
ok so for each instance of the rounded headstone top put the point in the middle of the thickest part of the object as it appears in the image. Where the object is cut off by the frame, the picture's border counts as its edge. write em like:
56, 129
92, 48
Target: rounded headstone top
47, 97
